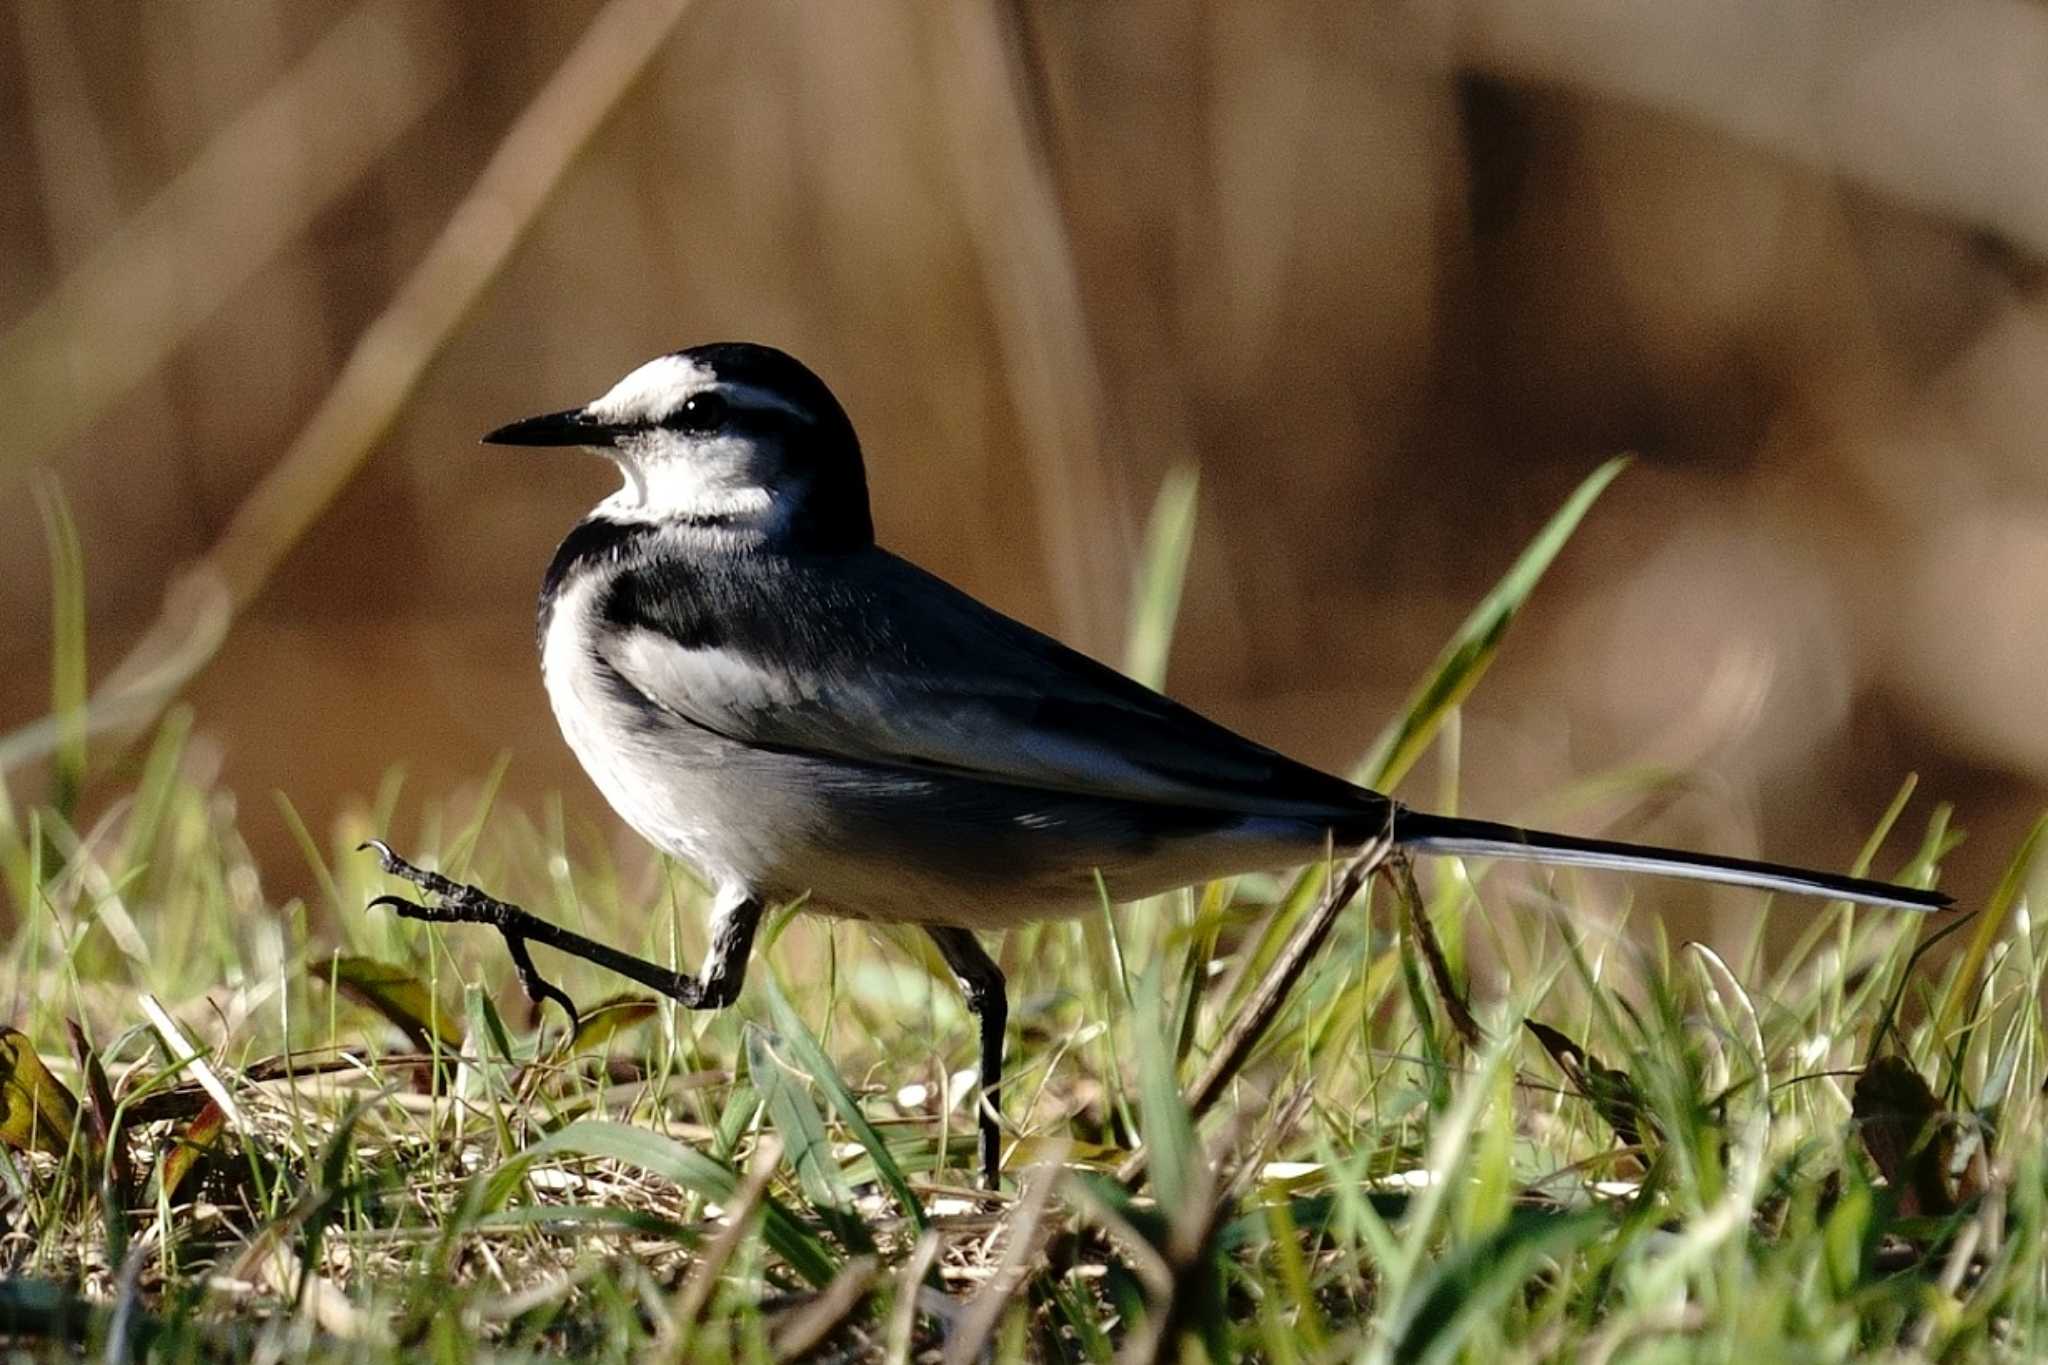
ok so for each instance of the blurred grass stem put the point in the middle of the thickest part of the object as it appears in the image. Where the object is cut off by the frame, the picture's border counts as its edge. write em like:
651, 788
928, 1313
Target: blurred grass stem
1020, 236
387, 362
118, 316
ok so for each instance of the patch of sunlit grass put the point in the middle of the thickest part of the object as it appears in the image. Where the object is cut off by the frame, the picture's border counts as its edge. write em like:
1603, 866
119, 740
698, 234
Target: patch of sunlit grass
319, 1132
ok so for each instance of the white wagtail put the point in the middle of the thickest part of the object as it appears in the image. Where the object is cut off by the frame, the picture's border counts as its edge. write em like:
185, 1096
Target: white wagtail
768, 695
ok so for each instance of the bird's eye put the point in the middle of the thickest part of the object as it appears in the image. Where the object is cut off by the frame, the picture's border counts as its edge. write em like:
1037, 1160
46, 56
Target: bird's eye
700, 412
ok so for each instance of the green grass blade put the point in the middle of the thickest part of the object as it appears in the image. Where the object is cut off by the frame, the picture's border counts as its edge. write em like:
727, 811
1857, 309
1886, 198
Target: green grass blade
1962, 986
462, 847
67, 647
309, 849
1210, 908
156, 787
1837, 911
1169, 1131
1471, 650
657, 1154
1476, 1280
803, 1048
805, 1143
552, 1217
1162, 571
742, 1106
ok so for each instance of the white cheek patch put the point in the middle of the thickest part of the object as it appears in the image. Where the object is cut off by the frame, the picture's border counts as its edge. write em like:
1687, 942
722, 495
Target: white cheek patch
684, 488
666, 478
653, 391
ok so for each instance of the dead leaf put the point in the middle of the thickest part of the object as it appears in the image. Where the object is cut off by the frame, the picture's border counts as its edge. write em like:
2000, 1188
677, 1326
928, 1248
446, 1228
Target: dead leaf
600, 1024
102, 1115
1611, 1093
1907, 1134
399, 995
198, 1138
37, 1114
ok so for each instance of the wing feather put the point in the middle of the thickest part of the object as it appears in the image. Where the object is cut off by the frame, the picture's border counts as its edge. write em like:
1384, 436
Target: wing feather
868, 659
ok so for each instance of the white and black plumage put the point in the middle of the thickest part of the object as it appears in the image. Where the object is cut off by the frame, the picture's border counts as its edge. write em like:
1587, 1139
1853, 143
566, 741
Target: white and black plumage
763, 692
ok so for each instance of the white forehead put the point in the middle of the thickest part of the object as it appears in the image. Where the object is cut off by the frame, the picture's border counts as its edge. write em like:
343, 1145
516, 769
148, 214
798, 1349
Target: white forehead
653, 391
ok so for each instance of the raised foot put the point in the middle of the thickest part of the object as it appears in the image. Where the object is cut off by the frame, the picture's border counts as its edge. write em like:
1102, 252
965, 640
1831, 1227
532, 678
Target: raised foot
461, 903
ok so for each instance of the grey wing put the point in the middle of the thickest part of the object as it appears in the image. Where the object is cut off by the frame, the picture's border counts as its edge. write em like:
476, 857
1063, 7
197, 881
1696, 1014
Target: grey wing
871, 660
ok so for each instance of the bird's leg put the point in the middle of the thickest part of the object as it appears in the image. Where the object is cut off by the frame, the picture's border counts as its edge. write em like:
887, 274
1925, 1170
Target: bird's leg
734, 918
981, 981
725, 966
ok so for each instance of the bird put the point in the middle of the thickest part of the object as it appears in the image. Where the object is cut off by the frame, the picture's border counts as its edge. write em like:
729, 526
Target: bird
762, 691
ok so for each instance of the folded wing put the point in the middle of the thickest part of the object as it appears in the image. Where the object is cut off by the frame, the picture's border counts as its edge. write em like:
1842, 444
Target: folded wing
871, 660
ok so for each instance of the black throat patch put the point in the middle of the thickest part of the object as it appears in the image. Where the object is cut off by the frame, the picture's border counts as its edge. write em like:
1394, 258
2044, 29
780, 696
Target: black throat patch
596, 543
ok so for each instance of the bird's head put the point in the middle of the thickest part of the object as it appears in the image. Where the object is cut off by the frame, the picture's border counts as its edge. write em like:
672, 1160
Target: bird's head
734, 436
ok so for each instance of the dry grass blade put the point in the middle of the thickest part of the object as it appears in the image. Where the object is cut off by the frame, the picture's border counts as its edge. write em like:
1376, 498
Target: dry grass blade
909, 1285
254, 189
479, 235
1846, 91
182, 1051
695, 1294
1013, 213
1271, 994
1416, 912
1020, 1252
1143, 1259
795, 1332
1681, 1319
396, 348
269, 1265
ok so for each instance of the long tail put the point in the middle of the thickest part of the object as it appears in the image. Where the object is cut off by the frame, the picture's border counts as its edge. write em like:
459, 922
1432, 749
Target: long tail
1485, 839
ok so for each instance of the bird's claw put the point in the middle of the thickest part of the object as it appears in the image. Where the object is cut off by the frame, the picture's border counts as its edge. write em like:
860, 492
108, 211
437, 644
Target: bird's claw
461, 903
538, 988
395, 865
389, 859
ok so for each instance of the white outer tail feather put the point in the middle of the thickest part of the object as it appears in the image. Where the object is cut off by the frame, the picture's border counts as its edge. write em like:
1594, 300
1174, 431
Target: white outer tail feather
1484, 839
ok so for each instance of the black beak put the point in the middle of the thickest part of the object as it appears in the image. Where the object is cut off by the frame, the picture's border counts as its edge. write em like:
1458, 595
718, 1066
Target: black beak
574, 427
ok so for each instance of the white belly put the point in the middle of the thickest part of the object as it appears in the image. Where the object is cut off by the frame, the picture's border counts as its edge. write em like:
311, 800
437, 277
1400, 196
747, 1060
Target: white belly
649, 785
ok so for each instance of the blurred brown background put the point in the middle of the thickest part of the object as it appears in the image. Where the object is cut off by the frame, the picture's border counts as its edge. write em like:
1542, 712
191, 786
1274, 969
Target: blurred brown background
1395, 277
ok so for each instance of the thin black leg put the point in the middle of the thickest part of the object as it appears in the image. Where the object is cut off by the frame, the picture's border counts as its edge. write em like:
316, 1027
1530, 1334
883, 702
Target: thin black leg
725, 966
981, 981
